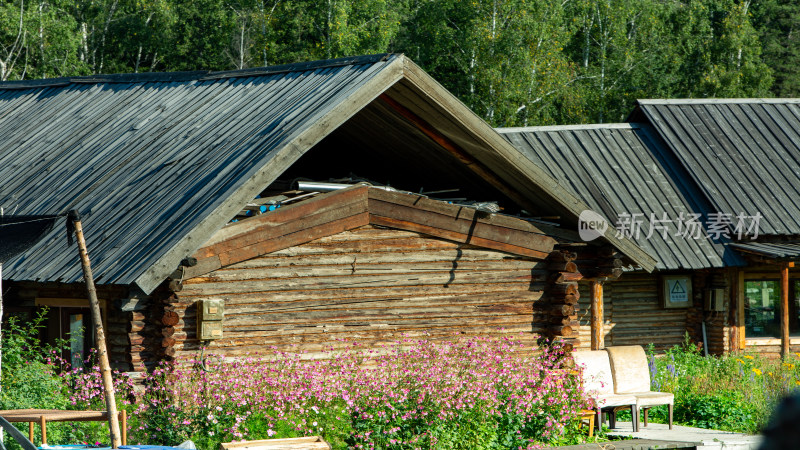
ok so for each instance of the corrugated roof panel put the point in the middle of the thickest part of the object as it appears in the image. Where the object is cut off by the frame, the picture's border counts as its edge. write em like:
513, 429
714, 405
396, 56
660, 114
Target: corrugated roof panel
743, 154
770, 250
146, 159
613, 169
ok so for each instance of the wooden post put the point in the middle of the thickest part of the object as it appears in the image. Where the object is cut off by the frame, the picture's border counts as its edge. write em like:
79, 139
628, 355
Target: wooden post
785, 309
43, 426
94, 304
598, 332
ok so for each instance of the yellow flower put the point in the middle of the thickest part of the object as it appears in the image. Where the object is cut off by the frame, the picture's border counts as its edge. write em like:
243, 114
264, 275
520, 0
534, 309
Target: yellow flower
740, 360
769, 373
797, 383
748, 357
757, 371
798, 355
789, 366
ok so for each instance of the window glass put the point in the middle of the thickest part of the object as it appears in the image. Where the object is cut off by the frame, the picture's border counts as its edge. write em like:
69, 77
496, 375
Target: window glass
762, 316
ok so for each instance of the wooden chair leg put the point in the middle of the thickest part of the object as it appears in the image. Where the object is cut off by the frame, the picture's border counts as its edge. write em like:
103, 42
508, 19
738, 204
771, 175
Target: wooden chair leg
635, 417
30, 431
645, 410
612, 418
599, 419
591, 426
670, 415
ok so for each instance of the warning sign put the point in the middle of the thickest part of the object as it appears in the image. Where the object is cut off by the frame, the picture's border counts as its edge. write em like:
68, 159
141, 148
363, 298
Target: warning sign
677, 290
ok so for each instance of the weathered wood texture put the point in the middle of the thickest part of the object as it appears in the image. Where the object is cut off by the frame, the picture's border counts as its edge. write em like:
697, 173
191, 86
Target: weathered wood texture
347, 209
371, 284
562, 289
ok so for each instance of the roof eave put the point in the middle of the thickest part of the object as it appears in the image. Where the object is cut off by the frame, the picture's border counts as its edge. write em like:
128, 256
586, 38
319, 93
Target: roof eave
282, 160
535, 176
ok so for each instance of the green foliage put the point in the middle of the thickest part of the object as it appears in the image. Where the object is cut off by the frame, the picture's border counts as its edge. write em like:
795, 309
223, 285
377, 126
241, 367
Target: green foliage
776, 24
733, 393
725, 410
514, 62
28, 378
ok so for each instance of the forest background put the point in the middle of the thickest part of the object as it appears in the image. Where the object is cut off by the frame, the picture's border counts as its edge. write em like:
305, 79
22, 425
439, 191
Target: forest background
514, 62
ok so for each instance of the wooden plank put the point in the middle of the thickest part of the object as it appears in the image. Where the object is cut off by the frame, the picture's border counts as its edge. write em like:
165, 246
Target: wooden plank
456, 236
460, 212
308, 214
310, 443
294, 237
451, 221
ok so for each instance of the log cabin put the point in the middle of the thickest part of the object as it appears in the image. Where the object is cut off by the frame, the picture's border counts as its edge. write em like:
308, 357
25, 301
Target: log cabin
729, 165
201, 232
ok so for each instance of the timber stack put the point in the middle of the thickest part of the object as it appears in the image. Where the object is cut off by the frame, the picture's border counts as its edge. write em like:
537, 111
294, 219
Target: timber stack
563, 296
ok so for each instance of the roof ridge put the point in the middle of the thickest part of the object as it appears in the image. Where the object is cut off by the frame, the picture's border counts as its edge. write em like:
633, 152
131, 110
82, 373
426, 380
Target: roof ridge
700, 101
198, 75
591, 126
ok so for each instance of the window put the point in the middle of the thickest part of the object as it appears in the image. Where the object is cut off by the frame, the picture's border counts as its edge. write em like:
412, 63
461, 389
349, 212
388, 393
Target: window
762, 307
762, 316
71, 320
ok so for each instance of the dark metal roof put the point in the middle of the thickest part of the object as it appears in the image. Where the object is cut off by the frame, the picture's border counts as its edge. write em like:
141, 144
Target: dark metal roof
19, 233
612, 168
744, 154
156, 163
149, 160
771, 250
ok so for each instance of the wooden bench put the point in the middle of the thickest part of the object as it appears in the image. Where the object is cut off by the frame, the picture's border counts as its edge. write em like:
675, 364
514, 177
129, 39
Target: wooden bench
42, 416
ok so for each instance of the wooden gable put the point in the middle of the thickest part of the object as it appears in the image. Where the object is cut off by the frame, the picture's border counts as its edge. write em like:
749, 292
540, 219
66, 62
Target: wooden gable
343, 210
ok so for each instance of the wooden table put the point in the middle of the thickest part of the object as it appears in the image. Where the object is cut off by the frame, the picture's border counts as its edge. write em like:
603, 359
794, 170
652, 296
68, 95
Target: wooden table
42, 416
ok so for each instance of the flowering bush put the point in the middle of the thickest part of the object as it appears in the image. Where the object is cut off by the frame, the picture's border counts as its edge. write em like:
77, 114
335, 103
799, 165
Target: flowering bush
734, 393
35, 376
466, 393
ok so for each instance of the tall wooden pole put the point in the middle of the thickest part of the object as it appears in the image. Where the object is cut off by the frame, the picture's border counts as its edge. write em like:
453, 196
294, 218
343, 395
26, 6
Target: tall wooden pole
785, 309
598, 333
100, 338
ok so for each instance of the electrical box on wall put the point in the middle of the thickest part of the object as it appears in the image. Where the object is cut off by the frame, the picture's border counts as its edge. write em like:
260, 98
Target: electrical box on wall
210, 315
715, 300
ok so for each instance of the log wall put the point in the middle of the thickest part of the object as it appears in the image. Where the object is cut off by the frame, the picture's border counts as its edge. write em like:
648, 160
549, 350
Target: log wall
369, 284
633, 314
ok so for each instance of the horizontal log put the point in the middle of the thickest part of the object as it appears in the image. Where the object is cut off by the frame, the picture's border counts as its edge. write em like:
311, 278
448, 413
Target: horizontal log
168, 342
168, 331
302, 297
565, 277
355, 267
459, 237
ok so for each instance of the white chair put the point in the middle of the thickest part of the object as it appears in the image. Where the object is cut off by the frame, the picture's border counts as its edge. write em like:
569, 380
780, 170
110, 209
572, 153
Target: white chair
598, 382
632, 377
